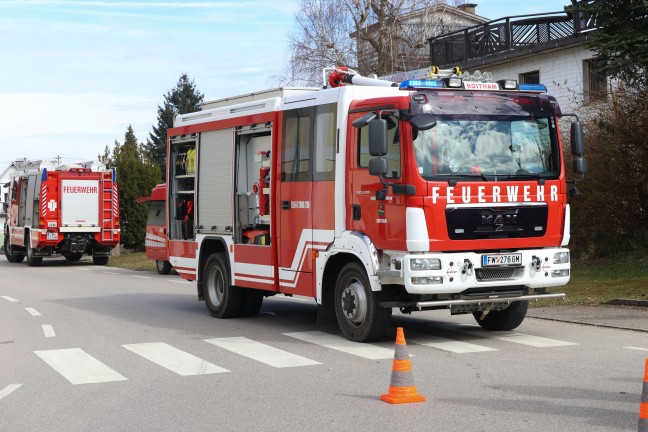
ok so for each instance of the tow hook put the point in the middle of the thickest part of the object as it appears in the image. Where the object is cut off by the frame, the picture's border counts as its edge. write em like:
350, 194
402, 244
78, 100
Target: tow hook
483, 314
536, 262
467, 268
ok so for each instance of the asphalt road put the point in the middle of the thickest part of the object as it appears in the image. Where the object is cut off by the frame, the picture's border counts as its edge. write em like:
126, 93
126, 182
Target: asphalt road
89, 348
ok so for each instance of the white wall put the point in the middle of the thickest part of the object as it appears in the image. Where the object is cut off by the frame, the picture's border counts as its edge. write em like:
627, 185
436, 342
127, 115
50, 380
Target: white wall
561, 71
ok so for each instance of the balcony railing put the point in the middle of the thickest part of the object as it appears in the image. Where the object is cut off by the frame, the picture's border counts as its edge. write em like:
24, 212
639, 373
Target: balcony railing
505, 35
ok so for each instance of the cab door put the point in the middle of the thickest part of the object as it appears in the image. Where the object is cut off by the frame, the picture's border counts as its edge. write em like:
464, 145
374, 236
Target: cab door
295, 203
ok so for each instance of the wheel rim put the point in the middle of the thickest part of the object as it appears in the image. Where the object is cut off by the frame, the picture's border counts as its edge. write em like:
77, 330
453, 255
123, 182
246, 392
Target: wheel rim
216, 287
160, 265
354, 302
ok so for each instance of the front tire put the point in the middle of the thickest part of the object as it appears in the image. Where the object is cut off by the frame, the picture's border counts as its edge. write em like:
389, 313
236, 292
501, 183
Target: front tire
32, 261
357, 308
506, 319
12, 257
163, 267
222, 299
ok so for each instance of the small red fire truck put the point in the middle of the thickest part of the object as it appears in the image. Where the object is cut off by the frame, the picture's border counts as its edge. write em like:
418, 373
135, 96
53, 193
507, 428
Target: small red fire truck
447, 192
157, 241
65, 211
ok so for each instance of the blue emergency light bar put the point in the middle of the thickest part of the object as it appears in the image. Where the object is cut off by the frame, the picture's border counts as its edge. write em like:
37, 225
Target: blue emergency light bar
418, 84
533, 87
44, 177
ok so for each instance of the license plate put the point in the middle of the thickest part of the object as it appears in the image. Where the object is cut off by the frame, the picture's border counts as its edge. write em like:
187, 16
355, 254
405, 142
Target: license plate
52, 236
501, 260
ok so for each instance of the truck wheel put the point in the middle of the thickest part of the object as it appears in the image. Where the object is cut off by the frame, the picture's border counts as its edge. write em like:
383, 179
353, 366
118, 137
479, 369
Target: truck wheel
12, 257
32, 261
506, 319
253, 302
72, 257
100, 260
222, 299
357, 308
163, 267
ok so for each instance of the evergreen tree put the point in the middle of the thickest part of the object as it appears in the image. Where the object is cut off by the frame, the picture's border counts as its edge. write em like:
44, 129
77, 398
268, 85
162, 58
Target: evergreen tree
621, 39
136, 176
183, 98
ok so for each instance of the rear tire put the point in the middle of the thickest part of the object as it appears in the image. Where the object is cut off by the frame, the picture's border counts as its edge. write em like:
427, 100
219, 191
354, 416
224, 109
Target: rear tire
73, 257
222, 299
32, 261
163, 267
12, 257
506, 319
357, 308
100, 260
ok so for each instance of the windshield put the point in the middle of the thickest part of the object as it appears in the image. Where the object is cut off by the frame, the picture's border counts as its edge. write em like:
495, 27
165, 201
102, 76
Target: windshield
484, 146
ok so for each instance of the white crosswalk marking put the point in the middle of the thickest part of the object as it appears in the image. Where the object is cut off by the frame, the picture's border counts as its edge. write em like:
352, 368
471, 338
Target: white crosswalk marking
79, 367
449, 345
9, 299
261, 352
636, 348
339, 343
174, 359
9, 389
525, 339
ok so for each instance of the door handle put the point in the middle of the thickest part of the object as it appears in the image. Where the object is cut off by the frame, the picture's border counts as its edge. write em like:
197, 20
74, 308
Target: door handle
285, 205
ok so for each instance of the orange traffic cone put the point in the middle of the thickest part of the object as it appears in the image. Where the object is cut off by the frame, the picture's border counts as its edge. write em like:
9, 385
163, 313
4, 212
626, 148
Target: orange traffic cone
643, 407
401, 387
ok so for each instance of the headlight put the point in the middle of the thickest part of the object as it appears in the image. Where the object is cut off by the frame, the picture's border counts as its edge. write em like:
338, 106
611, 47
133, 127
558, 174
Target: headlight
419, 264
560, 273
561, 258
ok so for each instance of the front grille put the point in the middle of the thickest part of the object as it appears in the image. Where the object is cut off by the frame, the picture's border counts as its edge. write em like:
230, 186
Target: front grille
506, 273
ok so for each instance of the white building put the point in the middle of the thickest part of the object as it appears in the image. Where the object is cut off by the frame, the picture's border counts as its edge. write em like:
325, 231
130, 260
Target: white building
546, 48
5, 178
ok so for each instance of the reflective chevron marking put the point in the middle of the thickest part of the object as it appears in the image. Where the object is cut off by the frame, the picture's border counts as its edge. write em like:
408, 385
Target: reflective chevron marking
174, 359
261, 352
339, 343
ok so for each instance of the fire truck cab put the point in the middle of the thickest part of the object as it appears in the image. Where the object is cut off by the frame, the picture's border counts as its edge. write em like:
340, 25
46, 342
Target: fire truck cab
447, 192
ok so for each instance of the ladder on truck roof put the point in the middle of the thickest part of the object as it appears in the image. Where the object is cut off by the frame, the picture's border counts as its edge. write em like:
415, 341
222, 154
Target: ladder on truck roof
107, 205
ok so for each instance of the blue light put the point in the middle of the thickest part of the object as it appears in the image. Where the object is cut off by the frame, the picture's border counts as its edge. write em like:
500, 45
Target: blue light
44, 177
533, 87
418, 84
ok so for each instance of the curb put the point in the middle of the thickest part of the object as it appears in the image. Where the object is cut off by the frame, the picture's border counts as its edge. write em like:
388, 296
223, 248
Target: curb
627, 302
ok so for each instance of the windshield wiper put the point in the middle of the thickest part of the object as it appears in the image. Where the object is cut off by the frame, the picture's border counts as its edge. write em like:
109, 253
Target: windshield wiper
453, 180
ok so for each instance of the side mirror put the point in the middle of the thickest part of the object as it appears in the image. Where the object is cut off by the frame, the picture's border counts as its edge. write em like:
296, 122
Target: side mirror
378, 137
363, 121
580, 165
577, 139
423, 121
378, 167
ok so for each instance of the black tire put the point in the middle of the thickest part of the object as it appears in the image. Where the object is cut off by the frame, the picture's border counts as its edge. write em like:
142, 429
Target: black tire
32, 261
100, 260
357, 308
73, 257
222, 299
12, 257
506, 319
163, 267
253, 302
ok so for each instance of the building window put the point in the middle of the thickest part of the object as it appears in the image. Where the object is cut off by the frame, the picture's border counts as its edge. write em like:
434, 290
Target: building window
530, 77
595, 81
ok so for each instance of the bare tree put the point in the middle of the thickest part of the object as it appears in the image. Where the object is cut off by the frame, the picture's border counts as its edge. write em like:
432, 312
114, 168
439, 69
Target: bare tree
370, 36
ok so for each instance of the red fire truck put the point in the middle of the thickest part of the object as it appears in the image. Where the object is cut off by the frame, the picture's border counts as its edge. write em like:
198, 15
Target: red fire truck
156, 242
441, 193
58, 211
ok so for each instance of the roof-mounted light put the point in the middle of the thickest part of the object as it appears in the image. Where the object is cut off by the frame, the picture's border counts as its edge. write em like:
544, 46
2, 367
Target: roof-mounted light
421, 84
508, 84
533, 88
454, 82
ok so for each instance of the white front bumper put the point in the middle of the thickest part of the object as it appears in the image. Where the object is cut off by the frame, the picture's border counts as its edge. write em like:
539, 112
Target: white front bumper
463, 270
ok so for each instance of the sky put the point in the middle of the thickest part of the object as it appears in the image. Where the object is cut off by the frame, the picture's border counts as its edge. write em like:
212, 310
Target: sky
76, 73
